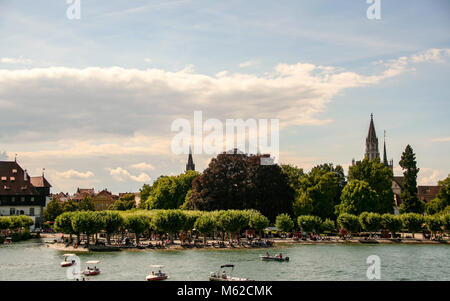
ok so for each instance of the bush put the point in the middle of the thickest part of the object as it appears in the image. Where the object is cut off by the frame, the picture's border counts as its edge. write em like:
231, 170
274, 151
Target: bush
284, 223
309, 223
412, 222
328, 225
392, 223
348, 222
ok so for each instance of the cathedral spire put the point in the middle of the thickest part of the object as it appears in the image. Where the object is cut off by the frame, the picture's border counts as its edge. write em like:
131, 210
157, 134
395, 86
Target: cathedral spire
190, 165
385, 161
372, 142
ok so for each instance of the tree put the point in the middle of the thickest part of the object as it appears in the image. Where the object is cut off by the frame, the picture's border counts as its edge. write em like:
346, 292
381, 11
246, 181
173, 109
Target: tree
348, 222
391, 222
70, 206
319, 191
284, 222
309, 223
63, 224
85, 222
86, 204
328, 225
52, 210
238, 181
136, 223
409, 199
26, 221
412, 222
233, 222
293, 175
370, 221
205, 224
433, 223
169, 221
442, 199
358, 197
379, 178
125, 202
445, 219
5, 223
112, 222
258, 221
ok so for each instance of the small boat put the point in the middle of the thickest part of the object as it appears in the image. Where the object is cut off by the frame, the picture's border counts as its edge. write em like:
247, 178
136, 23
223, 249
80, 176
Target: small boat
67, 262
273, 258
157, 276
221, 275
8, 240
91, 271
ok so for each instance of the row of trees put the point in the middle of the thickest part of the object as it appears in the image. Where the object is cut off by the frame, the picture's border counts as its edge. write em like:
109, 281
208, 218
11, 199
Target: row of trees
15, 222
170, 222
55, 208
367, 221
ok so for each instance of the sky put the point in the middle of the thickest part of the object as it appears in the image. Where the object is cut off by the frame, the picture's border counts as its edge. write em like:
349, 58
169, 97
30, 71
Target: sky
92, 99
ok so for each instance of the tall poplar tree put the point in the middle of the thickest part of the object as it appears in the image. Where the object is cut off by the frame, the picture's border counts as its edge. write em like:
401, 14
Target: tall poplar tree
409, 199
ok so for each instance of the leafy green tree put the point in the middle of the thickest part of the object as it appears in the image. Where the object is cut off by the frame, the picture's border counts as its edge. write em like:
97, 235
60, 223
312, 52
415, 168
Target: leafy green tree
309, 223
15, 222
26, 221
433, 223
370, 221
136, 223
5, 223
52, 210
319, 191
379, 178
205, 224
409, 200
112, 222
125, 202
70, 206
85, 222
284, 223
233, 221
348, 222
145, 193
293, 174
328, 225
258, 222
86, 204
169, 192
391, 222
63, 223
169, 221
412, 222
358, 197
445, 219
442, 199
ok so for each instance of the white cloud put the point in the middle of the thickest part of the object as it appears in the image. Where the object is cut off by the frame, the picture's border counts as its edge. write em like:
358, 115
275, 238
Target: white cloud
441, 139
9, 60
73, 174
247, 64
429, 176
122, 175
142, 166
431, 55
147, 60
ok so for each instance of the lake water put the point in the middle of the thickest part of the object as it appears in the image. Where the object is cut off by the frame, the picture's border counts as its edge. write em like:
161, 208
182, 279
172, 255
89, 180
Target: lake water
33, 260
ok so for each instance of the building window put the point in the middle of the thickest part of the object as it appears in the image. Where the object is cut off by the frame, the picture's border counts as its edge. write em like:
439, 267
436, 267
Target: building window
13, 199
12, 179
22, 199
32, 198
12, 211
31, 211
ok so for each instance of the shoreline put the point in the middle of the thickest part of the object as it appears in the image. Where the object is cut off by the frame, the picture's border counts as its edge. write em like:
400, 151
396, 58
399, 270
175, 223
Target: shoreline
277, 243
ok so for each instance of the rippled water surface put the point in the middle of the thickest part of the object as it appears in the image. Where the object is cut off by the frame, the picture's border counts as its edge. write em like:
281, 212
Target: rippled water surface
33, 260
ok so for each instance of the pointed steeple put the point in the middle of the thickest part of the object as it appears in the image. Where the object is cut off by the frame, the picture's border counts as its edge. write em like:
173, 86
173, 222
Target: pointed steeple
385, 161
372, 142
190, 165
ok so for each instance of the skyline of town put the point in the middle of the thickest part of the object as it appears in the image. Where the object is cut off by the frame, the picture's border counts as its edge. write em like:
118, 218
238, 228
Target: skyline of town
94, 106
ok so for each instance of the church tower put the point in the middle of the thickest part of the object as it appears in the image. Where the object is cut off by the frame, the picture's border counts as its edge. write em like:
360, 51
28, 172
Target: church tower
190, 165
385, 161
372, 142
